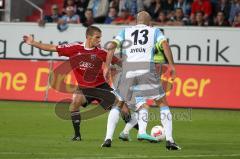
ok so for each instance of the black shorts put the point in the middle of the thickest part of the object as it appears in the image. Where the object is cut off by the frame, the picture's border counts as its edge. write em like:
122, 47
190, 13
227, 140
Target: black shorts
102, 94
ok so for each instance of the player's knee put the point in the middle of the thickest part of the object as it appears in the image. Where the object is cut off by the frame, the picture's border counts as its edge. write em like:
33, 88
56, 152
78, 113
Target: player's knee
77, 101
119, 103
74, 107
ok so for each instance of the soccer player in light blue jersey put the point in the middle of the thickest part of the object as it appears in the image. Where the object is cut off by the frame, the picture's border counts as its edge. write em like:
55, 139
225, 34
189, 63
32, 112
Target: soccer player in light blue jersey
159, 60
139, 75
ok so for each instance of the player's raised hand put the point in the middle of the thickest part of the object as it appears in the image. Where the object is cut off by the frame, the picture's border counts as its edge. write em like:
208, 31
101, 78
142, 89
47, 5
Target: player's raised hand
28, 39
172, 72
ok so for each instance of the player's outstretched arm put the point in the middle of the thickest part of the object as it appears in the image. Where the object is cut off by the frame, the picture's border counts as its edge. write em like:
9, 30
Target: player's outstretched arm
111, 47
30, 41
168, 53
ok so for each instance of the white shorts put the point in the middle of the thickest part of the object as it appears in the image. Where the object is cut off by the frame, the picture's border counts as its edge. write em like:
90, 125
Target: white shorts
137, 89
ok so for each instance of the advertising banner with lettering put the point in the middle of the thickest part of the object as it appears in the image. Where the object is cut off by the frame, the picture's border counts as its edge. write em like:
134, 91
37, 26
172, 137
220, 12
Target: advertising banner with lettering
195, 86
29, 80
190, 45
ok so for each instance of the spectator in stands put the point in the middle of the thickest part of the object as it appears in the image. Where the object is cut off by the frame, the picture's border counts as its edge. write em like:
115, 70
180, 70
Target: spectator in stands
69, 3
168, 5
192, 20
88, 18
178, 19
236, 22
203, 6
154, 8
161, 20
81, 8
114, 4
170, 15
199, 16
224, 6
70, 17
112, 14
235, 8
214, 2
54, 17
134, 6
220, 20
185, 5
124, 18
100, 9
147, 4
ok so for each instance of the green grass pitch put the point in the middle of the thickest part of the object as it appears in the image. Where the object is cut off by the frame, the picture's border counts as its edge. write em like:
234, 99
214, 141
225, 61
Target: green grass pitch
31, 130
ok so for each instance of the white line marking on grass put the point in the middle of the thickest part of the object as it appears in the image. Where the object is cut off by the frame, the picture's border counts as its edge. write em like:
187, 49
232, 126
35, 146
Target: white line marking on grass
29, 153
101, 156
43, 153
183, 156
211, 143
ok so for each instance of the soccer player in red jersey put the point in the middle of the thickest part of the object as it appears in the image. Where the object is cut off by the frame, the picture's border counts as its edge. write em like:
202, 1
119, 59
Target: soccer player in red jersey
87, 60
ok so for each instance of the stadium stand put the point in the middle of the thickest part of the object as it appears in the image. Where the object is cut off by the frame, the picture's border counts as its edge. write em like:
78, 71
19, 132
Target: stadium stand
46, 10
190, 8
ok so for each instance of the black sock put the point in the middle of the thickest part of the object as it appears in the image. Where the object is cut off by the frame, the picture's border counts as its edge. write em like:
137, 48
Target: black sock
136, 126
76, 120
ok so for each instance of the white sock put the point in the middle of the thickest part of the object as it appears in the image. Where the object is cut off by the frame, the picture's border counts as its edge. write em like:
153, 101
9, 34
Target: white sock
131, 123
113, 118
142, 120
166, 120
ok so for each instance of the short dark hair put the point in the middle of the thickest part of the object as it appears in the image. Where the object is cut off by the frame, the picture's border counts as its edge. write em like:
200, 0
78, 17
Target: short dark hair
89, 10
113, 8
91, 29
162, 30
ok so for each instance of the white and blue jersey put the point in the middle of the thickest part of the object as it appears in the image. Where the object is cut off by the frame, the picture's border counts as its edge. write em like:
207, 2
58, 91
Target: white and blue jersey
138, 80
139, 46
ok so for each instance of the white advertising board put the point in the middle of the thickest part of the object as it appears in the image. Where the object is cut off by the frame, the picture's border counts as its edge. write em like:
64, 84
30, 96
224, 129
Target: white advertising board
190, 45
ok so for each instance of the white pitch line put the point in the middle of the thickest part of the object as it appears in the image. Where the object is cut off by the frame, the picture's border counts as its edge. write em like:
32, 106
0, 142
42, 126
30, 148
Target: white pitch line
29, 153
183, 156
211, 143
97, 156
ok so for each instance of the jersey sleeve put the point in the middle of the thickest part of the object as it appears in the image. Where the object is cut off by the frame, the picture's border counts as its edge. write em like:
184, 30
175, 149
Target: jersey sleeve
159, 37
115, 60
120, 37
67, 49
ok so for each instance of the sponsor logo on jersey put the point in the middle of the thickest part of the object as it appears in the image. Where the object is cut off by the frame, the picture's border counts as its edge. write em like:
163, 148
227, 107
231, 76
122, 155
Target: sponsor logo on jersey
84, 65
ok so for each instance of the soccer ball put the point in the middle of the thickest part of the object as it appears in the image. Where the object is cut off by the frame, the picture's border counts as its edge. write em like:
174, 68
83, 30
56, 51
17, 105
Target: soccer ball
158, 133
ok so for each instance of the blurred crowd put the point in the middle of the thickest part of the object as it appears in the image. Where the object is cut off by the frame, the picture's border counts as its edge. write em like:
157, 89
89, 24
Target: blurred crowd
222, 13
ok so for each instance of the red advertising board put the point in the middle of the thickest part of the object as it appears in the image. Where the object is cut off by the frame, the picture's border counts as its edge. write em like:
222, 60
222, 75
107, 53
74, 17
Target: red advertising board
206, 86
20, 80
195, 85
28, 80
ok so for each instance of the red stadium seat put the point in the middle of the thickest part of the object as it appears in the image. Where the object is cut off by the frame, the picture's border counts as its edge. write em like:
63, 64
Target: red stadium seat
46, 10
